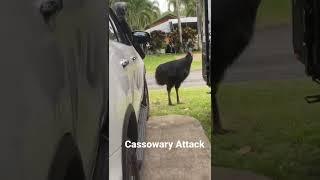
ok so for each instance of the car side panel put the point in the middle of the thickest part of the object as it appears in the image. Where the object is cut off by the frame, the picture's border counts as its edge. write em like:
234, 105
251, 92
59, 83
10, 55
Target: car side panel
120, 93
138, 80
115, 170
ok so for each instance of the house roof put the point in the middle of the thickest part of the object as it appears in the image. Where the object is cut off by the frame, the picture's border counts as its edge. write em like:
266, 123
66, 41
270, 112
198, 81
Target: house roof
161, 20
167, 25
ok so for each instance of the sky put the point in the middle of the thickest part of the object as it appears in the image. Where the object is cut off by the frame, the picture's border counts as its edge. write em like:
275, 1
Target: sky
163, 5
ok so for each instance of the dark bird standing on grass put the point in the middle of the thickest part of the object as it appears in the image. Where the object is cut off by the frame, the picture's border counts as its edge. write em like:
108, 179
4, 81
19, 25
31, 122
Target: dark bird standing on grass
173, 73
233, 27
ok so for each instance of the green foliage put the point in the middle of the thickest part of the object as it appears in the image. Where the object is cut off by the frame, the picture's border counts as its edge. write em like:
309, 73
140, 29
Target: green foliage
187, 7
157, 40
189, 37
196, 103
274, 12
273, 119
140, 13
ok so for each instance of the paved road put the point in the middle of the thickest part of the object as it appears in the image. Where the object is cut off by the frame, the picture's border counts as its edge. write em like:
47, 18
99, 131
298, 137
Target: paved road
268, 57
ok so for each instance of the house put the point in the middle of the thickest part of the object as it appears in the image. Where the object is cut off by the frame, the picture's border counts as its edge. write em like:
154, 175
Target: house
167, 24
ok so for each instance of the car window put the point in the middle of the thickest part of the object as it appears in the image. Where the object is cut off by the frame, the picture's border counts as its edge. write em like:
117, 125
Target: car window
112, 32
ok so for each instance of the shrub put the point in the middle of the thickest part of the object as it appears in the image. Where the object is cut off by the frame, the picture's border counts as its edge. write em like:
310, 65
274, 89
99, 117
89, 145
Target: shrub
157, 40
189, 37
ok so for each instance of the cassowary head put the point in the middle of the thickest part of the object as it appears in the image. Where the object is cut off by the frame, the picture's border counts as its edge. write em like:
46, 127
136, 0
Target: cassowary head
189, 55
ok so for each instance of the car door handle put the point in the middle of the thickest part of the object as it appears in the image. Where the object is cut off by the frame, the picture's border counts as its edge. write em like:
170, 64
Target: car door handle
133, 58
124, 62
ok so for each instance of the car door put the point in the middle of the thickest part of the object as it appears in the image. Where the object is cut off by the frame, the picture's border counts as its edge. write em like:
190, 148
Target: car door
135, 66
121, 69
137, 79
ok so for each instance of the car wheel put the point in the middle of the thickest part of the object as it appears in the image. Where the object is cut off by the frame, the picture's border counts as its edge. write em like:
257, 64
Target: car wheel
131, 171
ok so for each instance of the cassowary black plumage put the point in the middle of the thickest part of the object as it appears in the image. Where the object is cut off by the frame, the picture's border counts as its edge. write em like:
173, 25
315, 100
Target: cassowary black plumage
173, 73
233, 26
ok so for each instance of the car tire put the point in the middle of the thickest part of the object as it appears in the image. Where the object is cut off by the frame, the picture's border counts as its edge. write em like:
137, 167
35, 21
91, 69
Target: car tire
130, 164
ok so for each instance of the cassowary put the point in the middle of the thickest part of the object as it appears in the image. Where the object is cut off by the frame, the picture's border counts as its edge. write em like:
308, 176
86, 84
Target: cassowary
233, 27
173, 73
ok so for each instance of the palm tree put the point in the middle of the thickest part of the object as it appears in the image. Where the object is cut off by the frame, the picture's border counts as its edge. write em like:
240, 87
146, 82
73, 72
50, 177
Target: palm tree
199, 22
111, 2
179, 22
190, 8
140, 13
187, 7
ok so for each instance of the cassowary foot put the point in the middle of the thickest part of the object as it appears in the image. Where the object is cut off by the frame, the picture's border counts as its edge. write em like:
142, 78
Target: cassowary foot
221, 131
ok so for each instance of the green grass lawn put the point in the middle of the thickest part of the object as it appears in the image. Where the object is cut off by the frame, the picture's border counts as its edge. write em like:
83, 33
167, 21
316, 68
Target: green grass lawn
196, 103
274, 12
152, 61
270, 117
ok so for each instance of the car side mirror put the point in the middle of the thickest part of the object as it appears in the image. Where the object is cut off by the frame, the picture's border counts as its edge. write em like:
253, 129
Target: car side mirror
141, 37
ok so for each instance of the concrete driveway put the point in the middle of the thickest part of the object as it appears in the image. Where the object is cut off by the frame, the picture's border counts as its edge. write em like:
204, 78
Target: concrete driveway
177, 163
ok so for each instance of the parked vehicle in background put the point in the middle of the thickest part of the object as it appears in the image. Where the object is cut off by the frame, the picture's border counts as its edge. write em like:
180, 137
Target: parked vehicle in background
128, 100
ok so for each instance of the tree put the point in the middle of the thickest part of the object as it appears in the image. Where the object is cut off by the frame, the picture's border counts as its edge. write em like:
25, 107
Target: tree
187, 7
179, 21
140, 13
199, 23
189, 38
157, 40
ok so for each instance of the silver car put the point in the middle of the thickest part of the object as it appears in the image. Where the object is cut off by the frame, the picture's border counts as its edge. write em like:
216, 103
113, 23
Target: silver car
128, 101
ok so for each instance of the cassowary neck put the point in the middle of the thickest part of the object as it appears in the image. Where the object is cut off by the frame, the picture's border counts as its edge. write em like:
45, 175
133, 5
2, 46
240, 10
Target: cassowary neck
188, 61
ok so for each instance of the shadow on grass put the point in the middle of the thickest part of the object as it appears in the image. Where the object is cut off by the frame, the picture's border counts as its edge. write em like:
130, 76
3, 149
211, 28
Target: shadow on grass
281, 129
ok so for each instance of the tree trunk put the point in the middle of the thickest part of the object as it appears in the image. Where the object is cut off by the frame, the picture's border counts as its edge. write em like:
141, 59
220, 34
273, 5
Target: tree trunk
199, 23
179, 23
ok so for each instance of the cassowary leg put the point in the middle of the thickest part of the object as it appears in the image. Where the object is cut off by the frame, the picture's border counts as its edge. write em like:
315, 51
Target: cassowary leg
177, 93
169, 98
